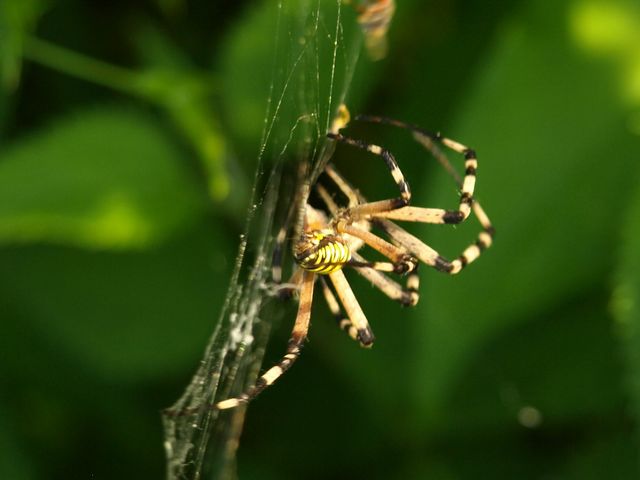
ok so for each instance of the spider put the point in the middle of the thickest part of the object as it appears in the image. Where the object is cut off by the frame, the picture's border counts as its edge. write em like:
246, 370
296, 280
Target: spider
327, 239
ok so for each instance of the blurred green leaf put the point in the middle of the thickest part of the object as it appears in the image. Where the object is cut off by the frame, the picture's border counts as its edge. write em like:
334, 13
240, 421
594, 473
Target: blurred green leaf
171, 8
274, 85
183, 92
171, 81
509, 385
126, 315
186, 97
105, 178
251, 62
14, 462
610, 30
608, 454
17, 18
625, 305
549, 183
95, 337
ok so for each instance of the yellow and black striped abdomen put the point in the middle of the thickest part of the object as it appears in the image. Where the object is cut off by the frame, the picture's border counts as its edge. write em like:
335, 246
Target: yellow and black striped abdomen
321, 253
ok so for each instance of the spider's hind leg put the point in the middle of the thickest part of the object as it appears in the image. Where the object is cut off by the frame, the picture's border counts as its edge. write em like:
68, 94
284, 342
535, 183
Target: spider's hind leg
296, 341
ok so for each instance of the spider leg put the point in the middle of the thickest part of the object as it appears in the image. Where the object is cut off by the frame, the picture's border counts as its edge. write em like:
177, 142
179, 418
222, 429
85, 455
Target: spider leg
402, 263
434, 215
412, 244
343, 322
361, 210
369, 270
406, 295
352, 307
431, 257
467, 185
424, 215
298, 336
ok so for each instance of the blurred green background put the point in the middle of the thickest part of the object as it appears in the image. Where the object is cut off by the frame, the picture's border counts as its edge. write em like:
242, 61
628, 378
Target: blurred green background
129, 133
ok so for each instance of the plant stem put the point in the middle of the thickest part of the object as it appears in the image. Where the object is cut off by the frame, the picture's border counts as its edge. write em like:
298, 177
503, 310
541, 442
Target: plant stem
81, 66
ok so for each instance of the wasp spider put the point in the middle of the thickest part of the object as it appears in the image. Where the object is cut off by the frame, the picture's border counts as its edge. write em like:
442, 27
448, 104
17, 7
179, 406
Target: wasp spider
327, 239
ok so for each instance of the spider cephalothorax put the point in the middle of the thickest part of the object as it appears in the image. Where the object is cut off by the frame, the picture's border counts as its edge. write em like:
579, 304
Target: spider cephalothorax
329, 238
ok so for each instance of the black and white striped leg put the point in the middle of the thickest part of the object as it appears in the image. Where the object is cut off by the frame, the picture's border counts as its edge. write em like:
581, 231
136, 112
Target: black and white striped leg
467, 185
352, 307
406, 295
332, 302
430, 256
370, 208
402, 263
298, 336
388, 267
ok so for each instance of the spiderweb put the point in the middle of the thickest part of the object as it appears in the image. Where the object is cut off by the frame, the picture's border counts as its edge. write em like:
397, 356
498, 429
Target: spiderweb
315, 51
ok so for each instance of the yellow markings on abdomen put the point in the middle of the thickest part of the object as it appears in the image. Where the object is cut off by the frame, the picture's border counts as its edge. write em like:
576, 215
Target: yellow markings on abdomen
322, 253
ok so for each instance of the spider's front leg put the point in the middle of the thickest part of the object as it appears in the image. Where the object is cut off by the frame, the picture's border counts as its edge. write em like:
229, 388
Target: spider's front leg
467, 184
363, 210
401, 261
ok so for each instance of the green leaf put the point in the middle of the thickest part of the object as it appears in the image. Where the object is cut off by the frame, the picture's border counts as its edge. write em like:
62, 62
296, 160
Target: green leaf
558, 368
172, 82
14, 461
17, 18
123, 315
247, 70
103, 178
275, 85
609, 454
626, 304
553, 170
